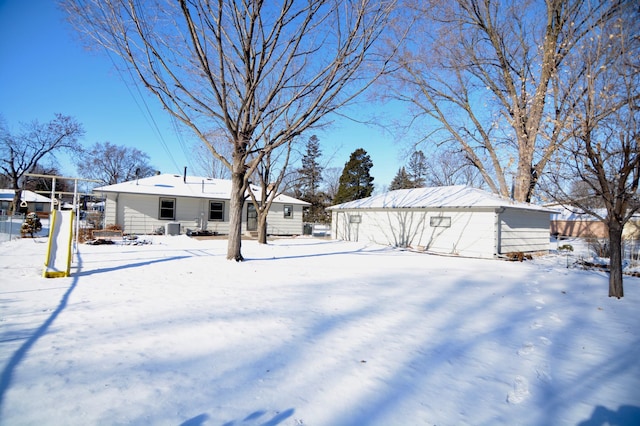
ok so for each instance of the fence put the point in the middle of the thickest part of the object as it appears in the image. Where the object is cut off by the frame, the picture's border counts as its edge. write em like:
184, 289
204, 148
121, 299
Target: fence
631, 252
599, 247
10, 227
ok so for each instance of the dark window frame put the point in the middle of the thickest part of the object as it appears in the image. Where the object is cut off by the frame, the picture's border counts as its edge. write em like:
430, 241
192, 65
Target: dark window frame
220, 211
162, 210
288, 211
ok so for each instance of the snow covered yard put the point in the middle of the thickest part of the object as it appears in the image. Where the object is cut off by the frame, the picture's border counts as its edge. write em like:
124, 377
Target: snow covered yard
311, 332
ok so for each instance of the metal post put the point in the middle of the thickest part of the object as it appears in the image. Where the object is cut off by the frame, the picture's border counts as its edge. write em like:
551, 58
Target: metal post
76, 207
53, 194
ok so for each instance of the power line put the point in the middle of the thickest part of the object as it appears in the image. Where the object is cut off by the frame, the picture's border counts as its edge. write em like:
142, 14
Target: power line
149, 116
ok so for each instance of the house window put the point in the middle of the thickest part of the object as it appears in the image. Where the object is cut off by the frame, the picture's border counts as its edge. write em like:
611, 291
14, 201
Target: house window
440, 221
167, 208
355, 218
216, 210
288, 212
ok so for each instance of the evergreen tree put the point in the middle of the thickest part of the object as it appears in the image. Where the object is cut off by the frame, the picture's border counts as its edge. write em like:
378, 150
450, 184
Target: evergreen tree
402, 180
310, 176
311, 171
418, 169
355, 182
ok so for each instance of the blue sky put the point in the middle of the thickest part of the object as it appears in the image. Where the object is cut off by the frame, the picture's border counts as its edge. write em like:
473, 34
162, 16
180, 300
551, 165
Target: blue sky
45, 70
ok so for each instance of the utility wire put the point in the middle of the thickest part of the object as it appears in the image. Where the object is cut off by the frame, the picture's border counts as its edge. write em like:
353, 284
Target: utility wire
148, 116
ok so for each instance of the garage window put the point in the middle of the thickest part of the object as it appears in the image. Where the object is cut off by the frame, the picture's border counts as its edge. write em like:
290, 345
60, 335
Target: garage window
440, 222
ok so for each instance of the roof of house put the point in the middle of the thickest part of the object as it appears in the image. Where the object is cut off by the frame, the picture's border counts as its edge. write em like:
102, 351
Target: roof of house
457, 196
28, 196
170, 185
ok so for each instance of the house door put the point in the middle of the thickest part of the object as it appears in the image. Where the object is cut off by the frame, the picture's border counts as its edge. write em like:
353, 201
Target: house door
252, 217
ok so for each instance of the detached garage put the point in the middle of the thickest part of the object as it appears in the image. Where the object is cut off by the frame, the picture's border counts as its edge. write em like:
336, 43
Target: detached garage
457, 220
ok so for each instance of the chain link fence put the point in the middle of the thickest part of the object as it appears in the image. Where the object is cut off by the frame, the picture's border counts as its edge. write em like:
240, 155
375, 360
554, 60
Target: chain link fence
10, 227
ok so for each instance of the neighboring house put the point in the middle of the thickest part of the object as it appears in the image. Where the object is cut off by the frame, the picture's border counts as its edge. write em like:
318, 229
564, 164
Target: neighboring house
575, 223
457, 220
168, 201
30, 201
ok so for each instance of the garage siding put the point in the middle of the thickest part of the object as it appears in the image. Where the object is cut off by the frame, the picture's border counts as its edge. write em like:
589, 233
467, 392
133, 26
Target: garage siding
462, 233
472, 233
523, 231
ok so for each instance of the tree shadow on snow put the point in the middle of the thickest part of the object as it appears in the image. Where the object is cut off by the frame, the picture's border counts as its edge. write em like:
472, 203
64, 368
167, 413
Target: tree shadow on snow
79, 273
21, 353
626, 415
359, 251
253, 417
8, 372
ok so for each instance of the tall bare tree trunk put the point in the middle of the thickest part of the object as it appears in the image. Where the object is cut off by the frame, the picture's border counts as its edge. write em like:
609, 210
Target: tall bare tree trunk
17, 196
262, 227
615, 260
236, 202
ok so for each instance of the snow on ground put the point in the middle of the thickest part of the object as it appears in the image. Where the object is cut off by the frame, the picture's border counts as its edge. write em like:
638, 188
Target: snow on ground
311, 332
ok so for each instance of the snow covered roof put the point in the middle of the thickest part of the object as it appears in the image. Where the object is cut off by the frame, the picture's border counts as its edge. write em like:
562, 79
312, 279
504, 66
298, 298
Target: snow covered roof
28, 196
457, 196
180, 186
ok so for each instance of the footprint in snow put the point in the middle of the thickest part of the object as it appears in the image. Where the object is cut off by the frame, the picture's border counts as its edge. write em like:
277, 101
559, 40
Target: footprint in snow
526, 349
555, 317
520, 391
545, 341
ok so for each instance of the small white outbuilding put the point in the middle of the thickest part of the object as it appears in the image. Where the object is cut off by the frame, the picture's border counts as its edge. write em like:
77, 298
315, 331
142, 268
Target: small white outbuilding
457, 220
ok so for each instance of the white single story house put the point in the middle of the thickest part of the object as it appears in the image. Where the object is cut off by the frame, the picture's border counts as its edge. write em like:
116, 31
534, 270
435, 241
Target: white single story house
174, 202
457, 220
29, 200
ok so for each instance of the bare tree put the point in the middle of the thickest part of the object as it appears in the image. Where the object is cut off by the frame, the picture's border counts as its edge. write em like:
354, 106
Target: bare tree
22, 152
451, 167
604, 148
482, 70
206, 163
243, 66
110, 164
39, 183
270, 174
331, 178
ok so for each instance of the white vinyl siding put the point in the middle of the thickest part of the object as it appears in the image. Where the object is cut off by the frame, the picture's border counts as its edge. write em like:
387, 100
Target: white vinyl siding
525, 231
278, 224
111, 211
471, 233
138, 214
